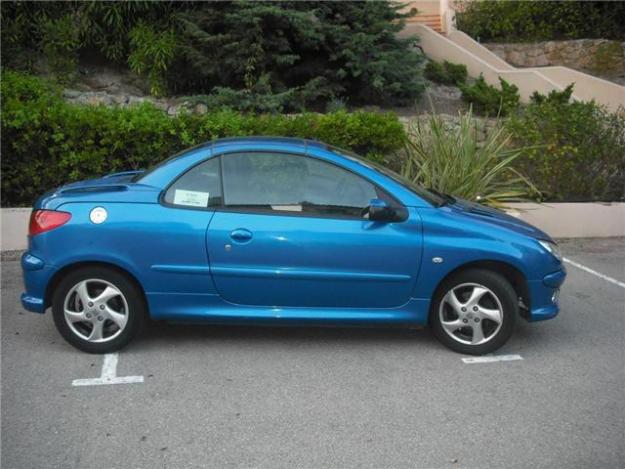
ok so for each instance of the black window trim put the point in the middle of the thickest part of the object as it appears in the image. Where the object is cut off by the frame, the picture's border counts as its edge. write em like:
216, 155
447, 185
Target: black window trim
402, 211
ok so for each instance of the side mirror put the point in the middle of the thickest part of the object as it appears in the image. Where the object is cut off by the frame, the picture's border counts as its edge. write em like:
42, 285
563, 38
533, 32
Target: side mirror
379, 210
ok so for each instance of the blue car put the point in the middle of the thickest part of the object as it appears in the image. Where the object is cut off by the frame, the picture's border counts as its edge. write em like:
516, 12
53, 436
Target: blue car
279, 231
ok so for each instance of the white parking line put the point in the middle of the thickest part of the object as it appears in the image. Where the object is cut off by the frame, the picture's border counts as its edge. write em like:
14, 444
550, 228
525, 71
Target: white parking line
492, 358
109, 374
594, 272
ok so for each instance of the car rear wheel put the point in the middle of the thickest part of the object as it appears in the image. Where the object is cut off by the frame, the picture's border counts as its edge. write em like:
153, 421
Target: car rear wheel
98, 310
474, 312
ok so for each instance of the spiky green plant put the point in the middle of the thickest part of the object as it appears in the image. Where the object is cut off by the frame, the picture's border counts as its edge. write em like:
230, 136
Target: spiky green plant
450, 159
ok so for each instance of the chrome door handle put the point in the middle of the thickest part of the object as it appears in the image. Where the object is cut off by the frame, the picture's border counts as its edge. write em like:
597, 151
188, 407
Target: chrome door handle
241, 235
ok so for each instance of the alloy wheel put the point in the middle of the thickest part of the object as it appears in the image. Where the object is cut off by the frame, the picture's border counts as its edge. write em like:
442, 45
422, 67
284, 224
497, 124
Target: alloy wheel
95, 310
471, 314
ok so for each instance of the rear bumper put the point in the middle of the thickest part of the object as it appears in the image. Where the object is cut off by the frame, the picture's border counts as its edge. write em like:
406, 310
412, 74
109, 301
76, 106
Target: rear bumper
36, 275
545, 296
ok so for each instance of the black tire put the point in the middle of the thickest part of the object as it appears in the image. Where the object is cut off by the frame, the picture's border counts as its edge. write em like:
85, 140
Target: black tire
136, 313
498, 286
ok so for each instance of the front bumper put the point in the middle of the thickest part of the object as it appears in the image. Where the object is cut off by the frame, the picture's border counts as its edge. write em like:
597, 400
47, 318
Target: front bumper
544, 296
32, 303
36, 275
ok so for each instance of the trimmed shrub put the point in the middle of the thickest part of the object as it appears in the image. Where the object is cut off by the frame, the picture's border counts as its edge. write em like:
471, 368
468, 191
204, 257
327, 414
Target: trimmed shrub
488, 100
531, 21
47, 142
447, 73
577, 149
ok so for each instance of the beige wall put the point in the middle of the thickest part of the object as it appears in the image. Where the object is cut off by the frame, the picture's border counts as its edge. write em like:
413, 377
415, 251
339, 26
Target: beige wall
425, 7
574, 220
586, 86
14, 230
439, 48
466, 42
460, 48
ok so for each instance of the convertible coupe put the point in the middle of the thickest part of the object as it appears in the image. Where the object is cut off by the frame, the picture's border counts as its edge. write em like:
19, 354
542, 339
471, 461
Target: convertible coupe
279, 231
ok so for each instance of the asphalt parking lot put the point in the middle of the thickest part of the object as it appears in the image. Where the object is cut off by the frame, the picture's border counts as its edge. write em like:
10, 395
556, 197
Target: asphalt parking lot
337, 398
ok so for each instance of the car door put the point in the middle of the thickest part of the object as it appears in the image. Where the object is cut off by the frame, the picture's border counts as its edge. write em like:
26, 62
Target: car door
291, 233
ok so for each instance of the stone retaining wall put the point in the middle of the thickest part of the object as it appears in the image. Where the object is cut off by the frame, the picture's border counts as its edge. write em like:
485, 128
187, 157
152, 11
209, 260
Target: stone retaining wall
599, 57
173, 106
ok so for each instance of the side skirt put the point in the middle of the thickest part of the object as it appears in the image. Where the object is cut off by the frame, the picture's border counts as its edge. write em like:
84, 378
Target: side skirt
212, 309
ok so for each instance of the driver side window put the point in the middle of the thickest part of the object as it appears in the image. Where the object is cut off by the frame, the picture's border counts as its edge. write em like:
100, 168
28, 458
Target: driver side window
293, 183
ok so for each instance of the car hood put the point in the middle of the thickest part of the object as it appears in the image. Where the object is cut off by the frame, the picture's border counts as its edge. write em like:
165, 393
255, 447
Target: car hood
497, 217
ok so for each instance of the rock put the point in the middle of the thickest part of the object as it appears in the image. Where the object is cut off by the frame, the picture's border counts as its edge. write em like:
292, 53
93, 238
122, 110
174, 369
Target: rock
173, 110
515, 58
161, 104
120, 99
71, 94
200, 108
445, 92
95, 99
135, 100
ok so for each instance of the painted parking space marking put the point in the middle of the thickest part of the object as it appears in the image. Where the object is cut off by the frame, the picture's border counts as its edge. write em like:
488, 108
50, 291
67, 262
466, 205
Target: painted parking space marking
594, 272
491, 359
109, 374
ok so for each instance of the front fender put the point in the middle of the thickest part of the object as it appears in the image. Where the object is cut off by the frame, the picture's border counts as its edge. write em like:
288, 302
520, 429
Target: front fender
449, 242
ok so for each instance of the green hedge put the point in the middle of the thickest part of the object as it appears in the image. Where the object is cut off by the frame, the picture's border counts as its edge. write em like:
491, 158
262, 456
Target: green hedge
47, 142
503, 20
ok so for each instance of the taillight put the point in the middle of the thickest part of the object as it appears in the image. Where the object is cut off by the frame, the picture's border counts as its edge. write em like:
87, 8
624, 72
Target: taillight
46, 220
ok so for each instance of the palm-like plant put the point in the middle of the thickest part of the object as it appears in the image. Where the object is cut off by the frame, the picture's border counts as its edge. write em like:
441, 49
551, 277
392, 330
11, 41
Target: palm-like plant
452, 161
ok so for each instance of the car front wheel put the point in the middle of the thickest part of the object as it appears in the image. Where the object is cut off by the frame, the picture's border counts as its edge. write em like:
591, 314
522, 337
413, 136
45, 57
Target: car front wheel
98, 310
474, 312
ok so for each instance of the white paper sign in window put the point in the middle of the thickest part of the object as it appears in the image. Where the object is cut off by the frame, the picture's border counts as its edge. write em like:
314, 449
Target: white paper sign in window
191, 198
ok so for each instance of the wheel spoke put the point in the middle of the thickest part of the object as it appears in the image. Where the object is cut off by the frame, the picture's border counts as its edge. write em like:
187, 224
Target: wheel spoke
83, 294
106, 295
478, 333
118, 318
492, 314
452, 300
96, 332
75, 316
452, 326
476, 295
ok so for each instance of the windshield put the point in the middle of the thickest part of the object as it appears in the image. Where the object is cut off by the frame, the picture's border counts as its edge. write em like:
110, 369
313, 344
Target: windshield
428, 195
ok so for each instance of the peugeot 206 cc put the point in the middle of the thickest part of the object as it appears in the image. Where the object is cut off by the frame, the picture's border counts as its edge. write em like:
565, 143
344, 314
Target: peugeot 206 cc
277, 231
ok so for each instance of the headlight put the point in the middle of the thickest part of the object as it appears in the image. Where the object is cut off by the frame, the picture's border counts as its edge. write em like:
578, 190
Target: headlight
553, 248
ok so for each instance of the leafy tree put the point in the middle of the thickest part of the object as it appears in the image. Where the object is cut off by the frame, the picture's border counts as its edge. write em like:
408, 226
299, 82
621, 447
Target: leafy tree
280, 55
152, 53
